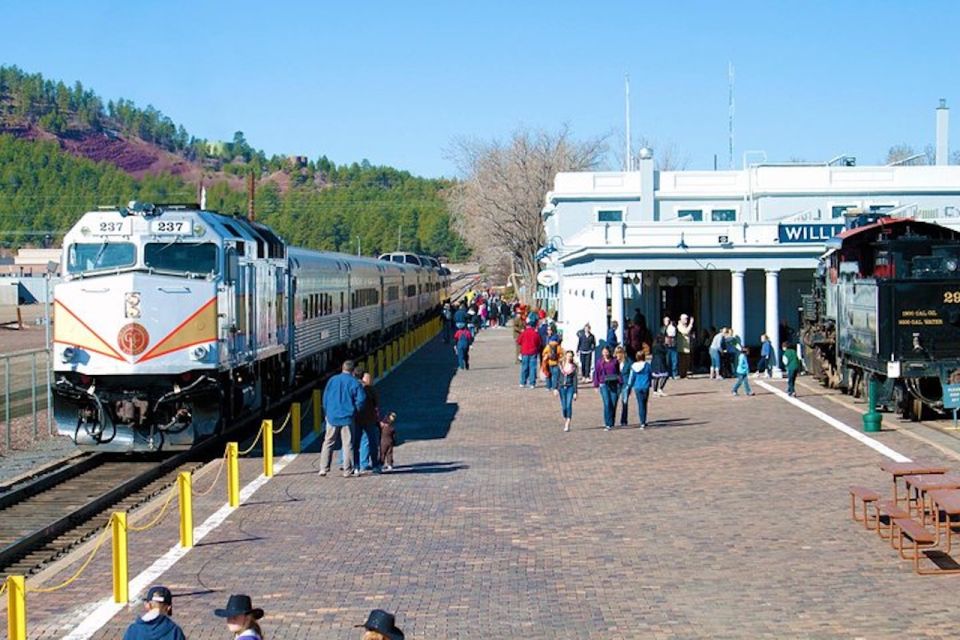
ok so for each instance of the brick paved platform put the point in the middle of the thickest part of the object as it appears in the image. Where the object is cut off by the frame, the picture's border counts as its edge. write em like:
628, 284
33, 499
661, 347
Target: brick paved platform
728, 518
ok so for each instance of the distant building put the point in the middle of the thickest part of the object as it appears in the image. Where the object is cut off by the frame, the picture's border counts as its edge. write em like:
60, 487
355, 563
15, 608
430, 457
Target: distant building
35, 262
731, 248
216, 148
297, 162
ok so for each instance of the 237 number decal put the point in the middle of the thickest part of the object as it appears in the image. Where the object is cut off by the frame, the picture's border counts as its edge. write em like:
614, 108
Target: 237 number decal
171, 226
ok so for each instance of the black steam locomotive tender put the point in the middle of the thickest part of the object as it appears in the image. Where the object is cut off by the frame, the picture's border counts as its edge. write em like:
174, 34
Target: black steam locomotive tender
886, 304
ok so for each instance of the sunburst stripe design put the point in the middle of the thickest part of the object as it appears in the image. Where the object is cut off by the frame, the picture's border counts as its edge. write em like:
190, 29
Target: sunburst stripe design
198, 328
69, 329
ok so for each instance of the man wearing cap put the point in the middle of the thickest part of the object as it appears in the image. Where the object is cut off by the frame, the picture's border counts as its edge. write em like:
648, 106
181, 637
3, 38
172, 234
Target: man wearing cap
155, 624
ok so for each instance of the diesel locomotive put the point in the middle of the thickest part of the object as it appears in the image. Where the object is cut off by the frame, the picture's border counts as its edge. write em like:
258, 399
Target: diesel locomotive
886, 304
173, 320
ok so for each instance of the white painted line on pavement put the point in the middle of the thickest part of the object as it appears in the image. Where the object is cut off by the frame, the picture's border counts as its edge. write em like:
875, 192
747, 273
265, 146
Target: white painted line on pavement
107, 609
836, 424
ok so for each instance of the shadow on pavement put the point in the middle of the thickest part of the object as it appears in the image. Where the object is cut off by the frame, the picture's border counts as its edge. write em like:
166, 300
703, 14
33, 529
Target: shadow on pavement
428, 467
418, 392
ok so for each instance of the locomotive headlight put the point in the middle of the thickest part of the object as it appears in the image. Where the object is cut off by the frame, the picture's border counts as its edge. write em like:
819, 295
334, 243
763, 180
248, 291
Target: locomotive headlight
951, 264
199, 230
68, 354
199, 352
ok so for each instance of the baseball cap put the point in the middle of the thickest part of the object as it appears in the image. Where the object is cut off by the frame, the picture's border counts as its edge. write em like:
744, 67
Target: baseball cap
160, 595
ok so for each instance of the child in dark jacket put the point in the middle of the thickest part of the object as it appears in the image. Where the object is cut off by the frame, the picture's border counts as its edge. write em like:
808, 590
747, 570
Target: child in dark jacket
387, 434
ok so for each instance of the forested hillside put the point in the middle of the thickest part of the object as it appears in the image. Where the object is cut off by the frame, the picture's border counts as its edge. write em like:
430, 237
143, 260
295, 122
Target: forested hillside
63, 152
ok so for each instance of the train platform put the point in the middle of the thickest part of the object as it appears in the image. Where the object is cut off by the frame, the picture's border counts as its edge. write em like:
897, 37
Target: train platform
728, 517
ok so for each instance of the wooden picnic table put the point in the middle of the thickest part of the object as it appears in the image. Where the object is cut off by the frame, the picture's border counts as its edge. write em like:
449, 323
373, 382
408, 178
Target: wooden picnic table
899, 469
947, 501
923, 484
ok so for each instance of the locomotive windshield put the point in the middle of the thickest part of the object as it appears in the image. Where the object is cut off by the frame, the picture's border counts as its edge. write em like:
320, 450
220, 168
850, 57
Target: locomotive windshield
181, 257
93, 256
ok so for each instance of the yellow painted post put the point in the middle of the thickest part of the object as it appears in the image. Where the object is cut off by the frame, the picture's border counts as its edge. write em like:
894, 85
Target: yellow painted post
16, 608
268, 448
396, 352
233, 474
389, 356
185, 487
370, 366
317, 400
295, 434
121, 582
380, 370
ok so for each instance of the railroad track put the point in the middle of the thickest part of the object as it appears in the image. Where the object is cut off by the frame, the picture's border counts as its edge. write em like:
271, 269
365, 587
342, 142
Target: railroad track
44, 518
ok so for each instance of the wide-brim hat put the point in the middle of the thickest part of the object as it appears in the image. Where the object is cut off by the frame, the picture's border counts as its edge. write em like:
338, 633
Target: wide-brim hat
239, 605
382, 622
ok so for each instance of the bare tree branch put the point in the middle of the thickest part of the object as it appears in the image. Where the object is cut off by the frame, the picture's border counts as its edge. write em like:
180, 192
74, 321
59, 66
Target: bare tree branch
497, 203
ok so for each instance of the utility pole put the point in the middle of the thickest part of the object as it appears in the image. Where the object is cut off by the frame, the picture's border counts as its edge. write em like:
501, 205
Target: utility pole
358, 245
251, 194
399, 233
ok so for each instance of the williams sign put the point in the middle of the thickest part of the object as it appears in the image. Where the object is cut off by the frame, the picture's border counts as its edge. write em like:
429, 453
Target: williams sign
800, 233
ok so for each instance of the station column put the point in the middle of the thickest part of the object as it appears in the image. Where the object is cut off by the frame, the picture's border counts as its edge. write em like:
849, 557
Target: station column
772, 323
616, 302
736, 304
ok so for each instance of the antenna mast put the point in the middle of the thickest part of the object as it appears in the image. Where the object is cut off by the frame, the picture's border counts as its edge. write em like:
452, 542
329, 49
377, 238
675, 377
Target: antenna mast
626, 84
730, 80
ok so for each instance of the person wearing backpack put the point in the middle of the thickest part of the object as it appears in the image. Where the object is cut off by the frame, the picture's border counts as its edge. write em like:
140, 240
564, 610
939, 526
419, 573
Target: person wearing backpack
462, 340
551, 359
639, 383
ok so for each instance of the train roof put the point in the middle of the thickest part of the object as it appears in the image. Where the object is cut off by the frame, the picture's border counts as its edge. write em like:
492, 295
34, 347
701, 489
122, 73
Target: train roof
890, 228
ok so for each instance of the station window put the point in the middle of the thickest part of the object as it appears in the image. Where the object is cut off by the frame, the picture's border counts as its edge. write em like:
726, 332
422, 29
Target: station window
837, 210
610, 215
696, 215
723, 215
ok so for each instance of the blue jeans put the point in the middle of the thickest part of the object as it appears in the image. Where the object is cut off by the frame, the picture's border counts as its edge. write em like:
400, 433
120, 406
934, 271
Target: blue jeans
528, 370
674, 359
609, 395
792, 380
366, 447
642, 396
566, 400
553, 380
742, 379
624, 404
715, 359
463, 358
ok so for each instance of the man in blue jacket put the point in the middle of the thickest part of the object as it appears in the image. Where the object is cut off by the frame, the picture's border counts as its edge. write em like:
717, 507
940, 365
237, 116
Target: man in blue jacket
156, 624
342, 400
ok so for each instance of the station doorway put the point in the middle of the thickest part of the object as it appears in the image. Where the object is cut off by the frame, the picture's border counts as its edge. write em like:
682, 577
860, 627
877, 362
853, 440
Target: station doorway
683, 298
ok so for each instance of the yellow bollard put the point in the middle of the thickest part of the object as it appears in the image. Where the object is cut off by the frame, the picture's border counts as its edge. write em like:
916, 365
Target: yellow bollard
16, 608
370, 370
389, 357
295, 434
185, 487
233, 474
121, 583
317, 400
268, 448
380, 370
396, 352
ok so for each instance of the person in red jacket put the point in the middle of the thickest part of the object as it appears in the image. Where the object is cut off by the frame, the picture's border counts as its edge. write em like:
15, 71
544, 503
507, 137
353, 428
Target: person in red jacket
530, 347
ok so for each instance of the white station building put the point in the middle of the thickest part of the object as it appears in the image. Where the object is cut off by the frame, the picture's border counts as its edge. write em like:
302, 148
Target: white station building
731, 248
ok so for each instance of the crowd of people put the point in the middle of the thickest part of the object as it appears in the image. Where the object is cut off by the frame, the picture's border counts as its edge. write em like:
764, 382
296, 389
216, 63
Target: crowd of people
241, 617
638, 367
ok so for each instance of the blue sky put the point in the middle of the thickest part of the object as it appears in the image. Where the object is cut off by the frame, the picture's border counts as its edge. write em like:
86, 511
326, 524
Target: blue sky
396, 82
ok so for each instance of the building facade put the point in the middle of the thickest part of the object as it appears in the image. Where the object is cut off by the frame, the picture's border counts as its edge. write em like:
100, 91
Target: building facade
730, 248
